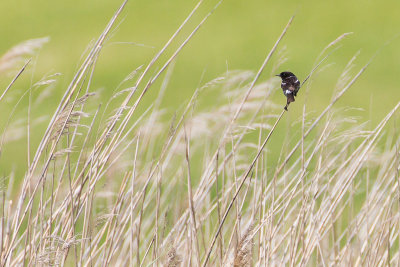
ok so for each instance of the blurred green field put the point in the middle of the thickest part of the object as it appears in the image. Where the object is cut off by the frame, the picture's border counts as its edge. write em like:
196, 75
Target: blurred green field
237, 36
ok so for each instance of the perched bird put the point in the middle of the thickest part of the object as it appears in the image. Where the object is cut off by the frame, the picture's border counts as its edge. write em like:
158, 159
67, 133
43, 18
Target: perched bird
290, 86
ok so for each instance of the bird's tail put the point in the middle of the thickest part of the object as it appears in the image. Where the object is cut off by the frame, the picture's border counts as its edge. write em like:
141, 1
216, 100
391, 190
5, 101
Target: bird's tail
290, 98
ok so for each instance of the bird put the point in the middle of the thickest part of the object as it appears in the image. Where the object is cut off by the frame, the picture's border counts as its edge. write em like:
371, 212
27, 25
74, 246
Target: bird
290, 86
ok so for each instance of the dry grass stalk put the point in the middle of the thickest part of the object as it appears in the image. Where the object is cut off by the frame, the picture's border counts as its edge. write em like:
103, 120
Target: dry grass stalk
173, 258
244, 250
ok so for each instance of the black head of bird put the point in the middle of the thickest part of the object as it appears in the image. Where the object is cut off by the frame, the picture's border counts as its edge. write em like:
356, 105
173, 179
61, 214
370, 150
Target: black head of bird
285, 74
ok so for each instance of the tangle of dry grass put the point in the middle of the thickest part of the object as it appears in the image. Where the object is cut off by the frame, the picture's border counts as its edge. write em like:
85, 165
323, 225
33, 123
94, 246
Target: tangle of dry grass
132, 189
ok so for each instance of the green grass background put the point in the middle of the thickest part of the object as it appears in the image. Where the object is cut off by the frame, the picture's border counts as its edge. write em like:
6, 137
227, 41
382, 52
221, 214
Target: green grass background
237, 36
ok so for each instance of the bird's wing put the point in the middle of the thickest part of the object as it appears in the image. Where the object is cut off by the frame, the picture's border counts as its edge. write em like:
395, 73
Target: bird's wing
295, 84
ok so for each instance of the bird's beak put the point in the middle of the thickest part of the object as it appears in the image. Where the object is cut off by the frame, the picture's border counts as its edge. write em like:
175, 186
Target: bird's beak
278, 75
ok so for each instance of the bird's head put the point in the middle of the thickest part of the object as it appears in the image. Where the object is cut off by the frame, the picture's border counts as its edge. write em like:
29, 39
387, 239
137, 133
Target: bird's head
285, 74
